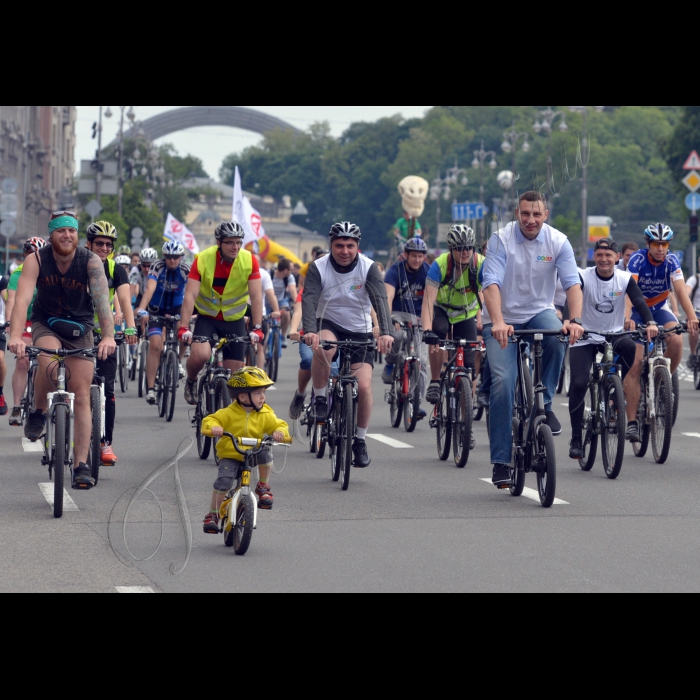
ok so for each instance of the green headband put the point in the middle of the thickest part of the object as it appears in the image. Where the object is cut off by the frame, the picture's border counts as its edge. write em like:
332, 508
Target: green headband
63, 222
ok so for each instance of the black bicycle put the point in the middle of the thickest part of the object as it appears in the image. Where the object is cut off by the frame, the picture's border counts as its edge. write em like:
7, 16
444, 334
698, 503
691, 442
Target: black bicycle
168, 375
404, 395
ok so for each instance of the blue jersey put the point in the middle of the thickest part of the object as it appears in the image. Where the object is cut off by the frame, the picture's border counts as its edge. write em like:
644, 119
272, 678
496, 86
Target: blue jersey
655, 279
410, 287
170, 287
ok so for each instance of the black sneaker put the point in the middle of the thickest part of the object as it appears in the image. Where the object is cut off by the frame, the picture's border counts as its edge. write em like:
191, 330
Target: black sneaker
483, 400
35, 426
82, 478
576, 448
359, 451
321, 409
632, 434
433, 394
297, 405
501, 475
553, 423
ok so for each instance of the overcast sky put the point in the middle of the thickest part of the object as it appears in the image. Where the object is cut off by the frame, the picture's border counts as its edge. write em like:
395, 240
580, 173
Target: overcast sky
213, 144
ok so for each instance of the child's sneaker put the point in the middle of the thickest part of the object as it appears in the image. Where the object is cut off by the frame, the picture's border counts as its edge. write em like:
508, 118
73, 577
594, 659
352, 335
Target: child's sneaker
211, 524
266, 499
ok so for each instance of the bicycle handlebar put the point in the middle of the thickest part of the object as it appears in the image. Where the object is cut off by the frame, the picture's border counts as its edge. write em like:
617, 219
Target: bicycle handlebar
35, 352
256, 444
330, 344
3, 326
227, 338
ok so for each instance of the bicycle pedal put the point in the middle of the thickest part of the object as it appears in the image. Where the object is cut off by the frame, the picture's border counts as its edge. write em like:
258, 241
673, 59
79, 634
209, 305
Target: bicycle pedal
503, 487
262, 507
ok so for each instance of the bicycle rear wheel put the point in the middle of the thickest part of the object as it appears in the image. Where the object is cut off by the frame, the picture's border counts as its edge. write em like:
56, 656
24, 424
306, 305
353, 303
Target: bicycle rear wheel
123, 360
547, 466
396, 406
676, 384
640, 448
589, 438
345, 437
203, 442
696, 371
517, 471
614, 427
161, 389
173, 376
222, 399
662, 425
60, 456
27, 403
272, 355
319, 441
444, 427
95, 456
412, 404
462, 429
142, 359
244, 523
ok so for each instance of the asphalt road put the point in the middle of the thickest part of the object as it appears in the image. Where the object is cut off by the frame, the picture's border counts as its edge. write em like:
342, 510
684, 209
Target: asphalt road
409, 523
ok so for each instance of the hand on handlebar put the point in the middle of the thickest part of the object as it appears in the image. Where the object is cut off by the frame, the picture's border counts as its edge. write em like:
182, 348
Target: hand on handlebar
217, 432
574, 331
277, 315
256, 337
18, 347
501, 332
278, 436
385, 343
693, 326
184, 335
652, 332
295, 337
630, 325
107, 347
313, 340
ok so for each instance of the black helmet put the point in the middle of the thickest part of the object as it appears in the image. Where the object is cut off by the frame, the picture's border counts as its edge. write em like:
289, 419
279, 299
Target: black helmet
228, 229
345, 230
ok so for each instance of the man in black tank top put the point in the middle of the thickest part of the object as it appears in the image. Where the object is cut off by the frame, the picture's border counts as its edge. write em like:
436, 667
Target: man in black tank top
71, 285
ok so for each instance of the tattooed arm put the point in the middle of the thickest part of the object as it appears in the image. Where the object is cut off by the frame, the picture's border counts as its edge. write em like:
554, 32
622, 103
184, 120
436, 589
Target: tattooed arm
99, 290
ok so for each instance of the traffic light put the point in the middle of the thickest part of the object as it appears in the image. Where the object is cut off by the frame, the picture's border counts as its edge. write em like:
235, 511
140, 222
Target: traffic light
694, 229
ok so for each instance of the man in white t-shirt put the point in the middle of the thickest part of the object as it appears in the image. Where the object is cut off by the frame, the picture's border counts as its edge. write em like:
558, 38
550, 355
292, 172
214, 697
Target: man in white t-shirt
3, 344
273, 310
692, 286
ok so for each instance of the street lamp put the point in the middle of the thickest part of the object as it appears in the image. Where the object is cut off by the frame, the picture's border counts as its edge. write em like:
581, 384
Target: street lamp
549, 116
480, 157
441, 188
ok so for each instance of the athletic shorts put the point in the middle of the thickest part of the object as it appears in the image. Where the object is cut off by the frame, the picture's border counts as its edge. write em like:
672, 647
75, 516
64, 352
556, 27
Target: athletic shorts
156, 327
662, 316
209, 327
358, 355
39, 331
3, 342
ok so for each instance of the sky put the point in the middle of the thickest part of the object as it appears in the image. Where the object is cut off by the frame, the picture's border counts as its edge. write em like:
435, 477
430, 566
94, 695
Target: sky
213, 144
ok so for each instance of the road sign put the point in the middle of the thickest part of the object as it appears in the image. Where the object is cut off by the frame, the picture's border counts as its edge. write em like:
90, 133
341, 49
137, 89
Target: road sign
680, 254
470, 211
692, 181
693, 162
9, 185
8, 228
136, 236
9, 204
93, 208
692, 201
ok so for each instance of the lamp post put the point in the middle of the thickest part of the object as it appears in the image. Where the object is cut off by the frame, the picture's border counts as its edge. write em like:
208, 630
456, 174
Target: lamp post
98, 156
480, 157
549, 116
120, 140
441, 188
510, 143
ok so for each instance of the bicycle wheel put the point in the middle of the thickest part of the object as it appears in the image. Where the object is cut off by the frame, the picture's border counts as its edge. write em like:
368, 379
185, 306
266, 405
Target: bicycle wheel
132, 364
243, 528
123, 360
203, 442
272, 355
142, 359
517, 472
589, 437
696, 371
640, 448
173, 375
546, 458
222, 399
614, 427
27, 403
662, 425
161, 388
396, 406
60, 456
676, 383
319, 441
346, 434
527, 379
412, 403
95, 456
462, 429
444, 427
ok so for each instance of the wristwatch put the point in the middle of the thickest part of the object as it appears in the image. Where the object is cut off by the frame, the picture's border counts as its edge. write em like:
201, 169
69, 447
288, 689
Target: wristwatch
257, 328
577, 321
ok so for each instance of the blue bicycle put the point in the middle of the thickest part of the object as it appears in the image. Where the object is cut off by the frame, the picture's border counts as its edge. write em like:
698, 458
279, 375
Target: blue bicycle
273, 349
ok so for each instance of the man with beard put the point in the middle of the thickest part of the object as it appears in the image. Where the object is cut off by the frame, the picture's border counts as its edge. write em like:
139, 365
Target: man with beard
71, 285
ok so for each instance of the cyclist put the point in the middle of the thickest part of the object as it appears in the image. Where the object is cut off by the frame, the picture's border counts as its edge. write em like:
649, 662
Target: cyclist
138, 277
605, 289
692, 289
316, 253
403, 231
628, 250
124, 262
340, 290
71, 284
164, 295
286, 292
19, 376
520, 276
123, 250
658, 273
101, 237
405, 287
3, 344
246, 417
221, 281
271, 306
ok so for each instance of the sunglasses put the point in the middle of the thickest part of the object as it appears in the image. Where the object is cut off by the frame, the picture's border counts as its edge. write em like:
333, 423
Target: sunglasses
65, 213
463, 250
145, 266
661, 244
172, 257
103, 244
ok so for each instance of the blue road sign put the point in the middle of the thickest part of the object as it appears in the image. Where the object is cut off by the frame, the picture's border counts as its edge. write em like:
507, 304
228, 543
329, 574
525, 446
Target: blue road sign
692, 201
470, 211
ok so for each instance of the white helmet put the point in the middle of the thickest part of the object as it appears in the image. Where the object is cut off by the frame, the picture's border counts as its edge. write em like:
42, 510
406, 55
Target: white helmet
122, 260
149, 255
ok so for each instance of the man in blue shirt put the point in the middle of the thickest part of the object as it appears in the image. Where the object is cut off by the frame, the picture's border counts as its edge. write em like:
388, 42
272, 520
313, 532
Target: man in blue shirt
405, 287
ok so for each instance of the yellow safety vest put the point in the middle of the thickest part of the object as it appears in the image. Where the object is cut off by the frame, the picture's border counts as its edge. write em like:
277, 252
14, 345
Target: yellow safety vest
234, 301
110, 281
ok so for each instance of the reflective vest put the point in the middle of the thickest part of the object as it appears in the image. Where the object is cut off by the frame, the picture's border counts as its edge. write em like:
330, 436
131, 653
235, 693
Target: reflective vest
458, 299
111, 265
232, 304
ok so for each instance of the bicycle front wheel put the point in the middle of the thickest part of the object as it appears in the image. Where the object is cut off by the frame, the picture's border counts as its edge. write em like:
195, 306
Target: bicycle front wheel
696, 371
60, 456
203, 442
662, 425
396, 406
614, 427
462, 429
640, 448
244, 524
123, 359
589, 440
546, 458
95, 456
412, 404
172, 378
222, 399
346, 430
676, 384
272, 355
142, 359
444, 427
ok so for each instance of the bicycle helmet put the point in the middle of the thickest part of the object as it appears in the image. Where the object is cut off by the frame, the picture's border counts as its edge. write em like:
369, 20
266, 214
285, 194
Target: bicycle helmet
148, 255
658, 233
173, 248
32, 245
416, 245
461, 236
124, 250
122, 260
228, 229
102, 229
345, 230
247, 380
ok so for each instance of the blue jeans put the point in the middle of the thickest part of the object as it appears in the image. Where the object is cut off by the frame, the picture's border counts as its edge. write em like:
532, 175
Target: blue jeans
504, 375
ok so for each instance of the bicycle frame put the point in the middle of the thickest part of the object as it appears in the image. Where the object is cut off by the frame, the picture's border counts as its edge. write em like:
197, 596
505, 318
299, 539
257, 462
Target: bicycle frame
653, 358
274, 340
60, 396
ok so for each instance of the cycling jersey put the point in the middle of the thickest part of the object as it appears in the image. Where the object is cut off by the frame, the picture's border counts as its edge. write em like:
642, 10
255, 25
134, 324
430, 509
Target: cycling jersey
410, 288
139, 277
170, 285
12, 287
402, 226
655, 279
3, 286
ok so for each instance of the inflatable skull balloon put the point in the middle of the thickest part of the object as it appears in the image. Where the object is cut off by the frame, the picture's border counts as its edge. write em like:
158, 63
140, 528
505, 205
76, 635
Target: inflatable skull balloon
413, 191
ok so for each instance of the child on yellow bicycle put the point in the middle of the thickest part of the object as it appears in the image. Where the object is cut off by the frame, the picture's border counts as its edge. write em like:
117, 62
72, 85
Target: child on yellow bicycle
246, 417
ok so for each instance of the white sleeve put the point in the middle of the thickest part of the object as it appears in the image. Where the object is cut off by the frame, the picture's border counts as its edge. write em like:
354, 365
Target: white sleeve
266, 280
692, 282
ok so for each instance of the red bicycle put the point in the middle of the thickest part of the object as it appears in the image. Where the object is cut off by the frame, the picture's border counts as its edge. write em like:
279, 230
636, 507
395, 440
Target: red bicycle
404, 396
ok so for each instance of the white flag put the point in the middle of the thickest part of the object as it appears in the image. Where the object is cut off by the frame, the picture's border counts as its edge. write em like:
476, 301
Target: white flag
176, 231
245, 214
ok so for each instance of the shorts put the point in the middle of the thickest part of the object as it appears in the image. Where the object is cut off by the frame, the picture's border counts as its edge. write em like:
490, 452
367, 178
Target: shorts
229, 471
3, 342
156, 327
662, 316
307, 355
358, 356
208, 327
39, 331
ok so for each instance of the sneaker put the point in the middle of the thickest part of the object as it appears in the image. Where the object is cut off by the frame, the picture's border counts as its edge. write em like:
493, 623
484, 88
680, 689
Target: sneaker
82, 478
388, 374
109, 459
576, 448
183, 374
265, 498
433, 394
211, 524
553, 423
297, 405
501, 475
691, 363
321, 409
632, 434
472, 442
3, 406
16, 416
361, 458
483, 400
151, 397
191, 393
422, 414
35, 426
284, 346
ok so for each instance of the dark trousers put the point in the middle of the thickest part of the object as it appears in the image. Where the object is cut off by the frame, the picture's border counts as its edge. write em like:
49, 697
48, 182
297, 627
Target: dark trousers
107, 369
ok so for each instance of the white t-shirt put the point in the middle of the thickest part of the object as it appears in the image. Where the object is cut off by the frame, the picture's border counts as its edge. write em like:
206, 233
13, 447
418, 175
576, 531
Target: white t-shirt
603, 303
266, 280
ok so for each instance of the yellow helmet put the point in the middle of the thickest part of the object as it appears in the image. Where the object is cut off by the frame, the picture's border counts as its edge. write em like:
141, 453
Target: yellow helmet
101, 229
249, 379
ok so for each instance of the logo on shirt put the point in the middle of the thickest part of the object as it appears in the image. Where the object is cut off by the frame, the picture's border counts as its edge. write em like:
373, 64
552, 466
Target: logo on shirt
545, 259
615, 294
356, 288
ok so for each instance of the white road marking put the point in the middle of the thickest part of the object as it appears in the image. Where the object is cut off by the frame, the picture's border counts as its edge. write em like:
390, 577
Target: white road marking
531, 494
695, 435
566, 405
68, 503
134, 589
29, 446
391, 442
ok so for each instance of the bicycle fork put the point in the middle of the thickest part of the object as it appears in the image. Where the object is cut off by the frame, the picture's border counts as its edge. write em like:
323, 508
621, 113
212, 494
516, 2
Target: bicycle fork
229, 508
55, 399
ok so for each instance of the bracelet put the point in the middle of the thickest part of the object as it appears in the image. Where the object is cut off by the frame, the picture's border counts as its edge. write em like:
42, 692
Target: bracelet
130, 331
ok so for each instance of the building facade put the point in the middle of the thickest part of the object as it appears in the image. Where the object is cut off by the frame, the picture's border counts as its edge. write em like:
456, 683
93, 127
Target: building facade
37, 149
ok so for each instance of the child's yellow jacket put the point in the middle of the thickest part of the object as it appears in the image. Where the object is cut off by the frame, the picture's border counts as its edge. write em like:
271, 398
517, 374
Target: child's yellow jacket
237, 421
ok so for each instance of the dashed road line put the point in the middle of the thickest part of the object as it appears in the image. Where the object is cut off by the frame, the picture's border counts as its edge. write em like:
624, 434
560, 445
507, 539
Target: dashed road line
134, 589
68, 503
695, 435
29, 446
391, 442
531, 494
